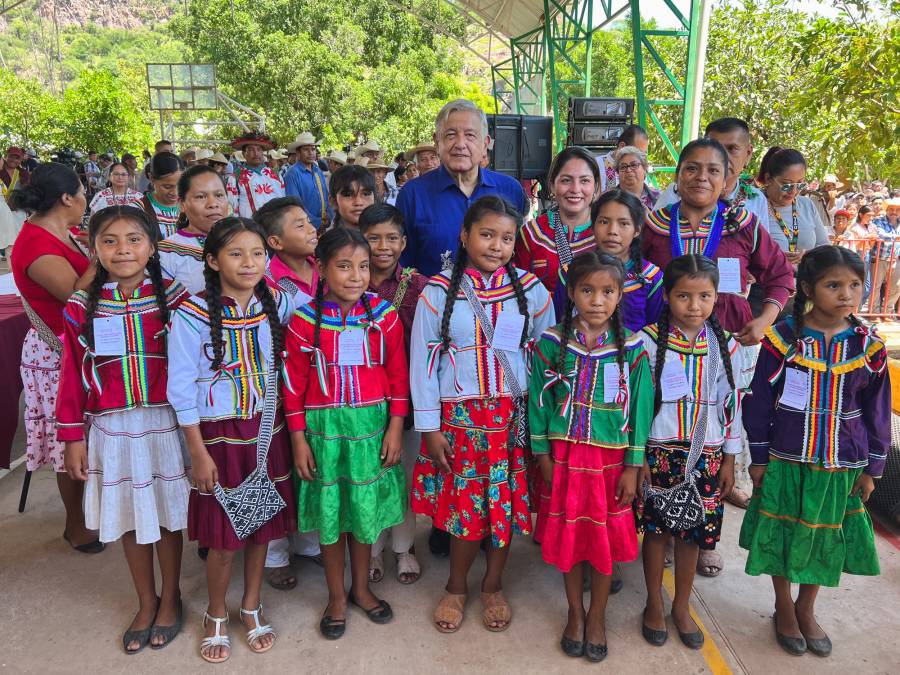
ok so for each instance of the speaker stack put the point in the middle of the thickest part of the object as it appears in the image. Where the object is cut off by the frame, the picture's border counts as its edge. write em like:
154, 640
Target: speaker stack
597, 123
523, 145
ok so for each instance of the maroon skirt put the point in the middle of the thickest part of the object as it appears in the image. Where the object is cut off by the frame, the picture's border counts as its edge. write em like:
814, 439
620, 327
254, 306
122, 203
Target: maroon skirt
232, 445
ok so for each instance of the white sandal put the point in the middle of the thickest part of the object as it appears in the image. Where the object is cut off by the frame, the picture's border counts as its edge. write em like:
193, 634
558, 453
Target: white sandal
376, 568
217, 640
407, 564
258, 632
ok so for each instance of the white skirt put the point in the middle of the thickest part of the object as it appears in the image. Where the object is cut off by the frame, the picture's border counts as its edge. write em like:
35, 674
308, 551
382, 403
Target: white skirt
136, 477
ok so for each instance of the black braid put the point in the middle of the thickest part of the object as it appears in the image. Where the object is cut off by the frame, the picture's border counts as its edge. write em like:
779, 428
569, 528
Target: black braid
618, 329
521, 300
799, 311
662, 343
159, 287
564, 338
214, 306
637, 260
93, 298
320, 298
455, 280
723, 347
264, 293
364, 298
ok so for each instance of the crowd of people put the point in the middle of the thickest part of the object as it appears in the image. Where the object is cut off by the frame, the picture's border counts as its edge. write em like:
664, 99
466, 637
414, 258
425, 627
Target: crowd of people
296, 359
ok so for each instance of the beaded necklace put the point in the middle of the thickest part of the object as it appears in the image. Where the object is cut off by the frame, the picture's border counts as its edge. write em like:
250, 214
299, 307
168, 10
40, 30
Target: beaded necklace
793, 233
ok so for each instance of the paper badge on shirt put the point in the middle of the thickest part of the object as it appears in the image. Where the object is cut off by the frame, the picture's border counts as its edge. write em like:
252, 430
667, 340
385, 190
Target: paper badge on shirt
350, 347
729, 275
795, 393
109, 336
611, 381
508, 331
673, 381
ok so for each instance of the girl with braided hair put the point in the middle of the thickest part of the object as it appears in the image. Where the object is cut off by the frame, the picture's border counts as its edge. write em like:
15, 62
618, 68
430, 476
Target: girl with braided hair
590, 407
679, 347
617, 217
470, 476
347, 396
819, 425
222, 347
114, 371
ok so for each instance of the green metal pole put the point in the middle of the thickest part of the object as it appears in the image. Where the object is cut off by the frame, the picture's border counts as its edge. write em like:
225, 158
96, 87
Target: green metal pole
589, 44
638, 62
549, 64
696, 64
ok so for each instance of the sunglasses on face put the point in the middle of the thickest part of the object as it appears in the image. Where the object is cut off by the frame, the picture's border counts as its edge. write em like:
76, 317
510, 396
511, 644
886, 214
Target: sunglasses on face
790, 187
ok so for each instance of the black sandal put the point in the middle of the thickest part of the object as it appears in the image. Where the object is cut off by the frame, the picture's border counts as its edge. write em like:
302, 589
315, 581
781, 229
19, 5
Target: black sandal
142, 637
167, 632
380, 613
95, 546
332, 628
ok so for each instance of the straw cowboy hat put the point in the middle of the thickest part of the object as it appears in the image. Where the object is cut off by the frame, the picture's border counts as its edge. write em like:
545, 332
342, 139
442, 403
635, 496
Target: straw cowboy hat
276, 155
421, 147
218, 158
372, 165
337, 156
253, 138
203, 153
831, 178
369, 146
305, 138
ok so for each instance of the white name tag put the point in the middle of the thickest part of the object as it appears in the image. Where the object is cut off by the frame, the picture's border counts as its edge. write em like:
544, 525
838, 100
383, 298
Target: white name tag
109, 336
730, 275
674, 381
796, 389
611, 381
508, 331
350, 347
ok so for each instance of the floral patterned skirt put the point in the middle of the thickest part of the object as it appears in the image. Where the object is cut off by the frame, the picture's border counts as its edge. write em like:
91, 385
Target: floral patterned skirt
666, 462
40, 381
486, 493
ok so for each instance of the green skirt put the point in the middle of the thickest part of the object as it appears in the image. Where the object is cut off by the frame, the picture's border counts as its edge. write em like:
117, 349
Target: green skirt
352, 492
802, 524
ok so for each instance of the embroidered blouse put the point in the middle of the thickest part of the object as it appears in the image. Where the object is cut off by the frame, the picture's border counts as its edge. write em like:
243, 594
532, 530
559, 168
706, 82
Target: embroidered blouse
468, 369
97, 385
677, 417
749, 242
237, 389
846, 422
642, 298
536, 247
248, 189
181, 257
166, 216
405, 305
314, 378
107, 197
574, 405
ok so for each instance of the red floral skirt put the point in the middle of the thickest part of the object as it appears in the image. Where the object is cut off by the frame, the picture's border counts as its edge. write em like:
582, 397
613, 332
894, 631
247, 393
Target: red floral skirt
486, 493
581, 520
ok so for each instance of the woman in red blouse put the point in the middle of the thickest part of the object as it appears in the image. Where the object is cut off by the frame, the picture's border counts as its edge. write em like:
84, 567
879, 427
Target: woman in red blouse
48, 266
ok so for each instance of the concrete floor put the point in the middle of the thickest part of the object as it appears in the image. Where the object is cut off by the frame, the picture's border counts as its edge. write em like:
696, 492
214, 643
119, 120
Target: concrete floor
65, 612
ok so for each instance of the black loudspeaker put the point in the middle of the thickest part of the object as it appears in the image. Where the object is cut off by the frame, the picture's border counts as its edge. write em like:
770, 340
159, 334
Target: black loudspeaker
523, 145
613, 109
886, 497
595, 134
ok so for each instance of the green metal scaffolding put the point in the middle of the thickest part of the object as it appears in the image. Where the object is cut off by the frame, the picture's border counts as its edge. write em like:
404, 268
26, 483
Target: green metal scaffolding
525, 81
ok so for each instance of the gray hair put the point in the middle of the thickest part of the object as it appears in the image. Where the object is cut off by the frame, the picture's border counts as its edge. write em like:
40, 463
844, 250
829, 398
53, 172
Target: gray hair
631, 150
460, 105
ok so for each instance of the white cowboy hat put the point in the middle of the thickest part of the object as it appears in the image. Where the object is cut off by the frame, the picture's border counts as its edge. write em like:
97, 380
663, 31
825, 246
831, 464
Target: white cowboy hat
305, 138
219, 158
276, 155
337, 156
203, 153
421, 147
369, 146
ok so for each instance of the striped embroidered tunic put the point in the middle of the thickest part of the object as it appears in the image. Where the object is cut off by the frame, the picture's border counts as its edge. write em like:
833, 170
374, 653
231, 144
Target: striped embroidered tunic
677, 417
97, 385
847, 419
536, 247
468, 369
749, 242
181, 257
314, 378
237, 389
569, 406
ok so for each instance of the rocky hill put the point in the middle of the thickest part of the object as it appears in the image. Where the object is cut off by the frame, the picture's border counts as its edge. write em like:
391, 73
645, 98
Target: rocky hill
105, 13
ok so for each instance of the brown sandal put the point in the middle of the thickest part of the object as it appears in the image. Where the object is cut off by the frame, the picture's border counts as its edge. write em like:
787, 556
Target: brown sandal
449, 611
496, 610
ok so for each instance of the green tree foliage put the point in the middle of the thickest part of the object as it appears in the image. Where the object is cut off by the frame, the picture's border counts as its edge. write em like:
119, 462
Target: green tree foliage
28, 114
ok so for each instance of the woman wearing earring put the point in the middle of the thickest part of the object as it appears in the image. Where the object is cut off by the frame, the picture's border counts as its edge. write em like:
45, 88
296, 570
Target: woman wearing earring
555, 237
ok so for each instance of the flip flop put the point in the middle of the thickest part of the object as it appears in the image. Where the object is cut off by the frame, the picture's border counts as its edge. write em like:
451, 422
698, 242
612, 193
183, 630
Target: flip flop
449, 611
496, 610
